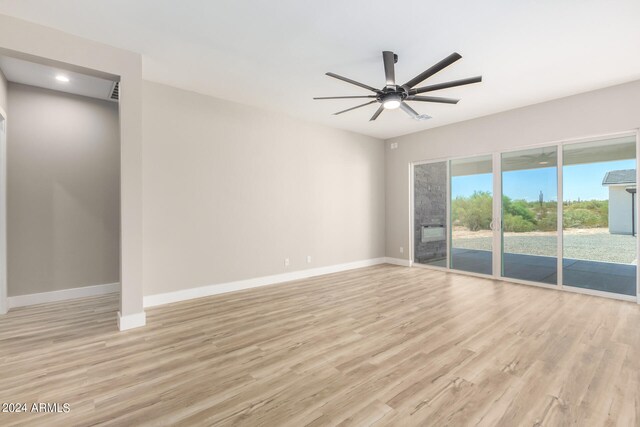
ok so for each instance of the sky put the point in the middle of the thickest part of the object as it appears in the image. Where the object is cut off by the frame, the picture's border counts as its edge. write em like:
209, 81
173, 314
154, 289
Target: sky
582, 182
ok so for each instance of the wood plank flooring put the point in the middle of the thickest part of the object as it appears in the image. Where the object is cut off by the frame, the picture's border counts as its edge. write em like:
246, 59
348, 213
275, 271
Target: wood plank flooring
383, 345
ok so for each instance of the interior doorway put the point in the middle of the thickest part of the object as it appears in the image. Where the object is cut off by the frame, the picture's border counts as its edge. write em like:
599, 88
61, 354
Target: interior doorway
60, 181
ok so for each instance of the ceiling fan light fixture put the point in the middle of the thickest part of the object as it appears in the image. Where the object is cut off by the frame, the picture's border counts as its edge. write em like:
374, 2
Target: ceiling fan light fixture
393, 96
391, 101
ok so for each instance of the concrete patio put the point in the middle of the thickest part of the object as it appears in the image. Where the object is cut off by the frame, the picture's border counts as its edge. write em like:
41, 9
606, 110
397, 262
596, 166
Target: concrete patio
602, 276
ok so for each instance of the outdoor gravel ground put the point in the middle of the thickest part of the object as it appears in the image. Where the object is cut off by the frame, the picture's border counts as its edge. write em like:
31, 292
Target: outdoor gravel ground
594, 247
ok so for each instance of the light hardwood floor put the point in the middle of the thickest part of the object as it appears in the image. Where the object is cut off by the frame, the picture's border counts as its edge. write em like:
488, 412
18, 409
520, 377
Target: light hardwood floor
383, 345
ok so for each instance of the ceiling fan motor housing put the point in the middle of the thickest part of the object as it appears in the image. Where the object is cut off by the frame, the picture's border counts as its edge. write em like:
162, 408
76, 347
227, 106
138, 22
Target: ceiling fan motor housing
398, 92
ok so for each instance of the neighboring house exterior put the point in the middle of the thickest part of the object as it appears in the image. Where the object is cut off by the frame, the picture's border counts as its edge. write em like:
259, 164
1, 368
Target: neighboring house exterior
622, 191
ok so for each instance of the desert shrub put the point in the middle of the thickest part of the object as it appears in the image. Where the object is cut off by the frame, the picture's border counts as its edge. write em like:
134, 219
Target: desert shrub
474, 212
583, 218
548, 221
522, 209
516, 223
586, 214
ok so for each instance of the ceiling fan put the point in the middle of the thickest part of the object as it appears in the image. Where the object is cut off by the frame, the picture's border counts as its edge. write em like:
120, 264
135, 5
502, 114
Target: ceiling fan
393, 96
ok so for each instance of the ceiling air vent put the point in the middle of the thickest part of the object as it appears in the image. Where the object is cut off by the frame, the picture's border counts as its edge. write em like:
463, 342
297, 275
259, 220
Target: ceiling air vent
115, 92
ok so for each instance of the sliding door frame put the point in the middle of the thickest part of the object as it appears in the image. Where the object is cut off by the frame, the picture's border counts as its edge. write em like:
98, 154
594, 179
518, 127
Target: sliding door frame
560, 216
497, 214
495, 221
447, 161
496, 244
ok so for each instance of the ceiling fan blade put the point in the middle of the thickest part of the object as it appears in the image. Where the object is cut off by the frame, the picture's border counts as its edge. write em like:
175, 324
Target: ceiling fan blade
389, 71
353, 82
344, 97
446, 85
432, 70
410, 111
353, 108
377, 113
432, 99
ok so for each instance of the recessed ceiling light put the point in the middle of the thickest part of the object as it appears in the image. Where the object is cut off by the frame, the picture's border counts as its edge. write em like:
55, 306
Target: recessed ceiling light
62, 78
543, 163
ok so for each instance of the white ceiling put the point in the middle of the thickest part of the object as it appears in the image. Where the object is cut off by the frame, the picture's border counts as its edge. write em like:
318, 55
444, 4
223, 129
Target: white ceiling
30, 73
274, 54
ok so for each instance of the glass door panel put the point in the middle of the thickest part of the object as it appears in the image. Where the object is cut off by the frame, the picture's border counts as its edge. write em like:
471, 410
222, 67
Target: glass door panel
472, 214
599, 218
430, 213
529, 215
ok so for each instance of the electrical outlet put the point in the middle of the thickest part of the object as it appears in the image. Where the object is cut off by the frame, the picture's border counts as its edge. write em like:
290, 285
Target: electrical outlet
394, 145
401, 250
286, 262
308, 259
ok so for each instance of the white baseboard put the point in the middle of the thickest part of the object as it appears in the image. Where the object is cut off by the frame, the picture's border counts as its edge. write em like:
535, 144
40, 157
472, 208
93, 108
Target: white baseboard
221, 288
398, 261
62, 295
131, 321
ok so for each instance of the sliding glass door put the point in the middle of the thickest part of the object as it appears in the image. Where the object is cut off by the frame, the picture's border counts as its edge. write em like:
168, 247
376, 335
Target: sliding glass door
560, 215
472, 214
599, 216
529, 215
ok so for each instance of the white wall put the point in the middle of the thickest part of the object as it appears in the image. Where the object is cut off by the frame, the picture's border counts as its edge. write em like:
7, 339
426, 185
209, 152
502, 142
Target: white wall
620, 210
609, 110
3, 125
230, 191
63, 192
3, 92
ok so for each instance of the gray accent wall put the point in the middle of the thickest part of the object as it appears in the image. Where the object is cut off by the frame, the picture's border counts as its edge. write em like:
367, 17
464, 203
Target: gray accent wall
230, 191
63, 195
430, 204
